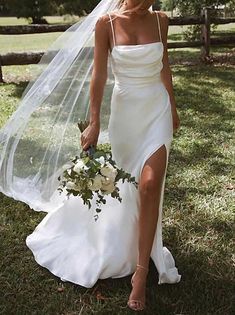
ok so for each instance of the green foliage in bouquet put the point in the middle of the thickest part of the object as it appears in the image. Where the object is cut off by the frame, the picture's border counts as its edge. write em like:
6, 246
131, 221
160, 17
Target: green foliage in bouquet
94, 172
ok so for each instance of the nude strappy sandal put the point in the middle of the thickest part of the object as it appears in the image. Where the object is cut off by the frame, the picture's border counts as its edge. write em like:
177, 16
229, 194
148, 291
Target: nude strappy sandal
140, 304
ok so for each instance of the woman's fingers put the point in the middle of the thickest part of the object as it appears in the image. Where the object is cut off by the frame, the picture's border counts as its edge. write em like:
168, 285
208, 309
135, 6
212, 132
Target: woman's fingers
85, 143
82, 138
88, 137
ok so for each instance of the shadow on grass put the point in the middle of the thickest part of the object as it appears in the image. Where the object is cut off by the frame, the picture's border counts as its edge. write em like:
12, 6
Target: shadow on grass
204, 288
63, 106
198, 239
18, 88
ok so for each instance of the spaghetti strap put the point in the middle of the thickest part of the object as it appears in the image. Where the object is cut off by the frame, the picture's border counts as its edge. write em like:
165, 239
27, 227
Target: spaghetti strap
114, 42
159, 26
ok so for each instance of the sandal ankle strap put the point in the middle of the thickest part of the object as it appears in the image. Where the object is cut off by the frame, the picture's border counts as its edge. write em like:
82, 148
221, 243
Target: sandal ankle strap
142, 267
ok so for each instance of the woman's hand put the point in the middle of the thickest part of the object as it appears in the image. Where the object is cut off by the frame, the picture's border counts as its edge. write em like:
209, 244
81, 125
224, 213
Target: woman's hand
90, 135
176, 120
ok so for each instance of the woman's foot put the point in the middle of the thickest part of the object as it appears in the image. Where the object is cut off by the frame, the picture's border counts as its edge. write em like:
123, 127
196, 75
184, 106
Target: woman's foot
137, 297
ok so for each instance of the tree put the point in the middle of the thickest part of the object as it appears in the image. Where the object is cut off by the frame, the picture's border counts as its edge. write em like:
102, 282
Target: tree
194, 7
168, 5
32, 9
4, 9
229, 9
78, 7
157, 5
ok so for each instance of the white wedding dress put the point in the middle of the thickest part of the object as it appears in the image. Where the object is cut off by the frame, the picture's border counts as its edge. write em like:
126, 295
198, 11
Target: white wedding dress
68, 241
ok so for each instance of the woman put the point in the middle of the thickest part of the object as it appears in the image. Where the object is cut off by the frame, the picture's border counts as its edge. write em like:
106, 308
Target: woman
137, 40
40, 137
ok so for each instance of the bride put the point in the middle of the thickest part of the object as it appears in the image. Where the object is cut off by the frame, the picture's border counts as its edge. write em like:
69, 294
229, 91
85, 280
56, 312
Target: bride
38, 139
140, 102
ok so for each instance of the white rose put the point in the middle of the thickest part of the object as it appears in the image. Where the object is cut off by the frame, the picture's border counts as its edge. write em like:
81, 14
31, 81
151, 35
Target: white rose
96, 183
112, 175
67, 165
108, 186
101, 160
69, 171
79, 166
109, 171
72, 185
106, 181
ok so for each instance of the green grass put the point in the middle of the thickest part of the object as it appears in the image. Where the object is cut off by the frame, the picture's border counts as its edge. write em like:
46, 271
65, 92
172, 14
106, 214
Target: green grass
50, 19
198, 205
197, 222
29, 42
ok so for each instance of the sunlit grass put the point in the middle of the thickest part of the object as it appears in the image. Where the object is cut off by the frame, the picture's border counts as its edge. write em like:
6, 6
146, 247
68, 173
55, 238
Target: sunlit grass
29, 42
197, 219
50, 19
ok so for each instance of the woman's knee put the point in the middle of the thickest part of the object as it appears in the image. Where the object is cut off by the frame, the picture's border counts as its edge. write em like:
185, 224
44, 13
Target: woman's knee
153, 172
148, 186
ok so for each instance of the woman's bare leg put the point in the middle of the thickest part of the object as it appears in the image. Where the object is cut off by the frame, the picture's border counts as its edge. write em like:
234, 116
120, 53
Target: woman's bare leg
150, 186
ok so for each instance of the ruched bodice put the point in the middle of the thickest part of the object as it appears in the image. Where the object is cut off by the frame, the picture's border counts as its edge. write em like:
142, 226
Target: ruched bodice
137, 63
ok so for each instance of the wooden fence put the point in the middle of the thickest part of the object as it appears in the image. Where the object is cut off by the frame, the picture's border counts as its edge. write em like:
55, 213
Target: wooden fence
205, 20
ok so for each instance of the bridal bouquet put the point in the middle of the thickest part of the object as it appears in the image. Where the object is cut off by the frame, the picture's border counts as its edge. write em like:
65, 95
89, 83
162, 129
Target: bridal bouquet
93, 172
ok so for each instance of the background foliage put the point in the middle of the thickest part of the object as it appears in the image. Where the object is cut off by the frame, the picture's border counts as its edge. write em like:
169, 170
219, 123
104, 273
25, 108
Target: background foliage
37, 9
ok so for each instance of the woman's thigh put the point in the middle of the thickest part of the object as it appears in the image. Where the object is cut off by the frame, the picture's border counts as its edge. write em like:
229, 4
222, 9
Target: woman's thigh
153, 171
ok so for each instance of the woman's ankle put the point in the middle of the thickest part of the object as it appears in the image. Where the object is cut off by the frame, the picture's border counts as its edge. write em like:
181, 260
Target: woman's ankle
141, 274
143, 267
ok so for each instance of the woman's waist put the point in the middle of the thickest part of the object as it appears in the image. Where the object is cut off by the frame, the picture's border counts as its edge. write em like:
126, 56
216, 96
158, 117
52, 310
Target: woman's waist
137, 80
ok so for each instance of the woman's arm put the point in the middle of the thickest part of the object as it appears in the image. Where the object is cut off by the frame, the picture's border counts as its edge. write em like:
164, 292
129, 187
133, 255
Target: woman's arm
99, 73
166, 74
98, 79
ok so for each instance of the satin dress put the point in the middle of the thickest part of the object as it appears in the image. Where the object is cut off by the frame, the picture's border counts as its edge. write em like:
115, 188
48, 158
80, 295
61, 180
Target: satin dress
68, 241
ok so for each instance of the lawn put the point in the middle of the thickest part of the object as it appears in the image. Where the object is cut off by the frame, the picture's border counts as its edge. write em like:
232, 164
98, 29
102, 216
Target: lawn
198, 217
40, 42
50, 19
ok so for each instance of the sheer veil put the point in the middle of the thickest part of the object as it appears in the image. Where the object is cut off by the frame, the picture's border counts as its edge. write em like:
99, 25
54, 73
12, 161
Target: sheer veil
39, 139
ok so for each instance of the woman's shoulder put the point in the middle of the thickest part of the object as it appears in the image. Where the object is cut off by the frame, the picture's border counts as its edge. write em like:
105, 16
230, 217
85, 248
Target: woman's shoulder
162, 14
163, 17
104, 19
